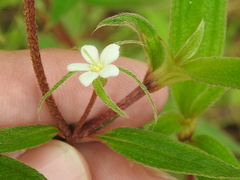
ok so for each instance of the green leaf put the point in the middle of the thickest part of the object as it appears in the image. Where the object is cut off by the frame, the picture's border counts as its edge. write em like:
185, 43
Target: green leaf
24, 137
214, 147
190, 48
210, 129
68, 75
186, 16
168, 123
119, 3
129, 42
59, 8
13, 169
143, 88
220, 71
160, 151
205, 99
105, 98
154, 48
193, 98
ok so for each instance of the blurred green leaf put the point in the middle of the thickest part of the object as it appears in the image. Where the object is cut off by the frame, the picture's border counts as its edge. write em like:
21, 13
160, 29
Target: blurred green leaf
186, 16
119, 3
160, 151
59, 8
220, 71
12, 169
159, 17
190, 48
48, 41
210, 129
98, 88
4, 4
23, 137
154, 47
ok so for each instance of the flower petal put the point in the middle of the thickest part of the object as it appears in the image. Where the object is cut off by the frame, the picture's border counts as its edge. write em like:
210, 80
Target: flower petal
90, 53
109, 70
87, 78
109, 54
78, 67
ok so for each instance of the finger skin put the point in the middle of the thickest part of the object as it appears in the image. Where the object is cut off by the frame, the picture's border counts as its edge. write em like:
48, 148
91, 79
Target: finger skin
57, 160
106, 164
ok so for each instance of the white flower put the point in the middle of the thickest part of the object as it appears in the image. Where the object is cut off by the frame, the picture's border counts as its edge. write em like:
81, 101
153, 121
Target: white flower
97, 66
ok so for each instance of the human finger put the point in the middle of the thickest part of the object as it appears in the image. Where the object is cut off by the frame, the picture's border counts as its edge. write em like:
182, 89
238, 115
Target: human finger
57, 160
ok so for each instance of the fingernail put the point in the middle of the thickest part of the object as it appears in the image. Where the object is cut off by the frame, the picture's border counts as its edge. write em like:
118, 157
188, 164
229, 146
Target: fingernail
57, 160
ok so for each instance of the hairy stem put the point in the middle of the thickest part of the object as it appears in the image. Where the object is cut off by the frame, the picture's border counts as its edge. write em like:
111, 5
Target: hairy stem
31, 26
80, 123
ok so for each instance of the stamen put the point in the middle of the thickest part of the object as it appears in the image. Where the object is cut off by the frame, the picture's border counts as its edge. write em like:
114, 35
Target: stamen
96, 67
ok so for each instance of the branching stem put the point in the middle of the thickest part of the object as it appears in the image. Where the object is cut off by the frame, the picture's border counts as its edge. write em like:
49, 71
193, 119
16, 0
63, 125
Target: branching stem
131, 98
98, 121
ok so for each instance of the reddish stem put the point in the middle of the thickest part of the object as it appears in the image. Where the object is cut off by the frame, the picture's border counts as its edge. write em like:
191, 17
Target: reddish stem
190, 177
30, 20
80, 123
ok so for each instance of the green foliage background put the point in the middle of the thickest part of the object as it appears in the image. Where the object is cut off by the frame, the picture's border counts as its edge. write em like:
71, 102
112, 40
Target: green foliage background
68, 24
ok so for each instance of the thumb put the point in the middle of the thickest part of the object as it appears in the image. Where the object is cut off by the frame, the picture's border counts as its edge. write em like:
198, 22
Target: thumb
57, 160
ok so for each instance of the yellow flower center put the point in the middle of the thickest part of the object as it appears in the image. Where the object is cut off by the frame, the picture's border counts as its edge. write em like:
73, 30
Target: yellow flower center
96, 67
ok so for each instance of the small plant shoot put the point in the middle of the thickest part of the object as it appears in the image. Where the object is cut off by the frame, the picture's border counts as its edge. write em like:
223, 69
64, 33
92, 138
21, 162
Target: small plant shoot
98, 105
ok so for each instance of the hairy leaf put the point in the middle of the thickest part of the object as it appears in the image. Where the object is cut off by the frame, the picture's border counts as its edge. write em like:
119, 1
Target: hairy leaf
105, 98
129, 42
186, 16
23, 137
154, 48
160, 151
214, 147
13, 169
220, 71
190, 48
